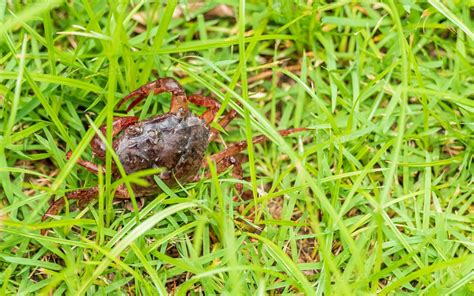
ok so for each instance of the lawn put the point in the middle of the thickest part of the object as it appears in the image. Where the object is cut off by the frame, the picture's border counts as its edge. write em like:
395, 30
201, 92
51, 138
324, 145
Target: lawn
375, 197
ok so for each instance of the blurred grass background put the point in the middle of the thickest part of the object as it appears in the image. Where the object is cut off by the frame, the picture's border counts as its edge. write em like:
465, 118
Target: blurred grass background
376, 198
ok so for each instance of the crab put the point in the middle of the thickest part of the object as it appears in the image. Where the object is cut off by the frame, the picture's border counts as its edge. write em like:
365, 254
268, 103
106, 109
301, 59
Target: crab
175, 141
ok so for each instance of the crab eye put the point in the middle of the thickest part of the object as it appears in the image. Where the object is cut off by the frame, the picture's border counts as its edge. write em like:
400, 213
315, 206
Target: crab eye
181, 112
135, 130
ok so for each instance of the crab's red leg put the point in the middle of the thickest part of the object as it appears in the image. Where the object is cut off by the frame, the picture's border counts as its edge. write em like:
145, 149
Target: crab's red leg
160, 85
83, 196
224, 122
237, 172
120, 123
209, 115
208, 102
90, 166
232, 157
240, 146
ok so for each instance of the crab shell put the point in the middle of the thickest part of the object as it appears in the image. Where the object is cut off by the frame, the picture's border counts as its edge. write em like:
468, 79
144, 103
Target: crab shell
174, 141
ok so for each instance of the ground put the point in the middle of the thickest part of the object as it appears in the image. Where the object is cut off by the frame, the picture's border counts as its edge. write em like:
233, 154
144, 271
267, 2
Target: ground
376, 197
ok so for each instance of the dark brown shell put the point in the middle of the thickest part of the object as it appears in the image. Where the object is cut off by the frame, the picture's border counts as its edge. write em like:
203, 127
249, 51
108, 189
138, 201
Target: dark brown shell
175, 141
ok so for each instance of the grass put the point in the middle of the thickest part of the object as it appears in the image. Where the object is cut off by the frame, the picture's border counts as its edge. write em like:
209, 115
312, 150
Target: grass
376, 198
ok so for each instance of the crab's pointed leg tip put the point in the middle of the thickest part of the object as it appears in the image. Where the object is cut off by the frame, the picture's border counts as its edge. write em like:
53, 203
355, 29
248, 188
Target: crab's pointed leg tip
121, 103
126, 98
43, 232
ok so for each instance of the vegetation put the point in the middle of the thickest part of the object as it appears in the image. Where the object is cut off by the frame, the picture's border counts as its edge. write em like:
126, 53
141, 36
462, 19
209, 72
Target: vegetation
377, 197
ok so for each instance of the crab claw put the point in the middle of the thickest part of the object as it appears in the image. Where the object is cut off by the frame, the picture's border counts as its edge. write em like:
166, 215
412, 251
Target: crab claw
160, 85
140, 94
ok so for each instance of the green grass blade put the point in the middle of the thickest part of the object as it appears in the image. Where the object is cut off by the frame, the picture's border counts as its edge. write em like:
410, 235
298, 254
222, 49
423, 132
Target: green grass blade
452, 17
131, 237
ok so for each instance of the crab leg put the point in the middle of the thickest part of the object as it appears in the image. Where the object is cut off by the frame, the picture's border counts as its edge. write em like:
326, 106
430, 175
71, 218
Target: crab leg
160, 85
211, 104
83, 197
240, 146
237, 172
228, 117
209, 115
224, 122
99, 149
90, 166
232, 157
